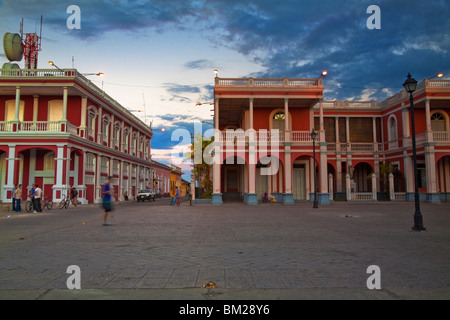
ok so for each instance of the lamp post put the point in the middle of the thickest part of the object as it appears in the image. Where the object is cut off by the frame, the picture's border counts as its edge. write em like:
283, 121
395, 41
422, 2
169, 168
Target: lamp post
313, 138
410, 86
98, 74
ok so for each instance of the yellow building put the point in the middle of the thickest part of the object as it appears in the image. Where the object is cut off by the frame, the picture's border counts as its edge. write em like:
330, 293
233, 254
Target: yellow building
175, 180
185, 187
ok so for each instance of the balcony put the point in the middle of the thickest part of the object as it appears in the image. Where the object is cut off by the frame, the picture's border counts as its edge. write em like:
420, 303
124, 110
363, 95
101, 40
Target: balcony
267, 137
268, 83
38, 127
441, 137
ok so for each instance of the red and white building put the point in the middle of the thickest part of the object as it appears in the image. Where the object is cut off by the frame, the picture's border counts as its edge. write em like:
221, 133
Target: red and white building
359, 143
59, 130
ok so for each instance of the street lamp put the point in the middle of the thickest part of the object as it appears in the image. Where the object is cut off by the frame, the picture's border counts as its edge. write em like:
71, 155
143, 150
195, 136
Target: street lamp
99, 74
313, 138
410, 86
216, 72
323, 74
54, 65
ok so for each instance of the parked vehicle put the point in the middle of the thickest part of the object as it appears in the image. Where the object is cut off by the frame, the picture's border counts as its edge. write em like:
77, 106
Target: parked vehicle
146, 194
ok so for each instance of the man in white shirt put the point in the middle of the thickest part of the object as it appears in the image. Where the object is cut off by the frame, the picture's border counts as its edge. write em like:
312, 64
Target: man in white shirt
37, 198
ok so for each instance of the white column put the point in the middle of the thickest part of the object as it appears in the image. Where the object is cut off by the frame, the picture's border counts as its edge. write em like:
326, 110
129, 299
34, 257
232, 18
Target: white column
409, 173
391, 186
322, 128
330, 186
336, 123
286, 120
428, 114
60, 168
430, 171
429, 131
312, 171
16, 114
406, 122
67, 160
65, 96
347, 129
287, 170
374, 131
251, 112
216, 113
98, 196
11, 160
35, 107
323, 171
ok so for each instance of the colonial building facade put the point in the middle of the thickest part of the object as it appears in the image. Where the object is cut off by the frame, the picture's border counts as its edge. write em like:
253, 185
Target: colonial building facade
363, 149
59, 130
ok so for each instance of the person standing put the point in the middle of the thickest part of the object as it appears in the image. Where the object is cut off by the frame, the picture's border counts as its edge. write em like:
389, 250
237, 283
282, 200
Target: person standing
18, 196
37, 198
13, 197
74, 194
107, 191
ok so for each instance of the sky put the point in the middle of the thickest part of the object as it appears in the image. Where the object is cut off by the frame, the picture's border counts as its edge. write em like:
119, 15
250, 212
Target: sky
158, 56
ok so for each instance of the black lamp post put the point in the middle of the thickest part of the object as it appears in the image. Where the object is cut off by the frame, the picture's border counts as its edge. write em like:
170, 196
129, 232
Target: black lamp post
410, 86
313, 138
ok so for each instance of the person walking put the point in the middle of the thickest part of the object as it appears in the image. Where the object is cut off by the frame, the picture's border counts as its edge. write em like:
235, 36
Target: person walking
37, 198
176, 199
74, 194
13, 197
107, 191
18, 197
31, 195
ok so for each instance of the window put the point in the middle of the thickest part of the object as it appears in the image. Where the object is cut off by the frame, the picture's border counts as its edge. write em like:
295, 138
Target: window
392, 129
279, 121
422, 175
125, 140
105, 130
90, 163
11, 110
92, 115
438, 122
55, 110
104, 165
49, 161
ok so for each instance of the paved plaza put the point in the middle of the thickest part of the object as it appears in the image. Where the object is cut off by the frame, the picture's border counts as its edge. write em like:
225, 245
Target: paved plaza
268, 251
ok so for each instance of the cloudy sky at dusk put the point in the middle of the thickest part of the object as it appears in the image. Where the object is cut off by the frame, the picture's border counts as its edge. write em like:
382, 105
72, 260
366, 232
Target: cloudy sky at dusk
162, 53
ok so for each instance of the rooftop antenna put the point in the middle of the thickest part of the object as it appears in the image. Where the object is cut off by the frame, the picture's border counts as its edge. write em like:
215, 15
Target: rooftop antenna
32, 46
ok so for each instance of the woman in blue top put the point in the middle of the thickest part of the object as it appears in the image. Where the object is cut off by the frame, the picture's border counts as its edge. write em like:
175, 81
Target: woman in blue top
107, 191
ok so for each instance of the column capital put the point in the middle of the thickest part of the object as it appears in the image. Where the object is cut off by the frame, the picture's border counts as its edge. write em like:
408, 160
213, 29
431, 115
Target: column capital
251, 99
286, 100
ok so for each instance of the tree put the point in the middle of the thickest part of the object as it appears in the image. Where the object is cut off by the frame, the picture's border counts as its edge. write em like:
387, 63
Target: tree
201, 171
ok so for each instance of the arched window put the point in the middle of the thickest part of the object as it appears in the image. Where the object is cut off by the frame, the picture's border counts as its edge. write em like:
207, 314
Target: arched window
438, 122
279, 121
392, 129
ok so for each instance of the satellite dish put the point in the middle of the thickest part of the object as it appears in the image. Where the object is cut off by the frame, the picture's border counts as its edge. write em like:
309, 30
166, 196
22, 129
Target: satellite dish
12, 44
10, 66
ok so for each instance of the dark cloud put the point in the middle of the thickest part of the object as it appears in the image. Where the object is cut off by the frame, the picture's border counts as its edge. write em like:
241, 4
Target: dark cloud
289, 38
199, 64
179, 89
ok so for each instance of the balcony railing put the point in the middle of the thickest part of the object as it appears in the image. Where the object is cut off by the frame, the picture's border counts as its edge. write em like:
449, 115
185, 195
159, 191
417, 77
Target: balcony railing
268, 83
265, 136
441, 136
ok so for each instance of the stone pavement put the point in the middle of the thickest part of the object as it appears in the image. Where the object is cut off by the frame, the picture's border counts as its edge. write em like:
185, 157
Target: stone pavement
268, 251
